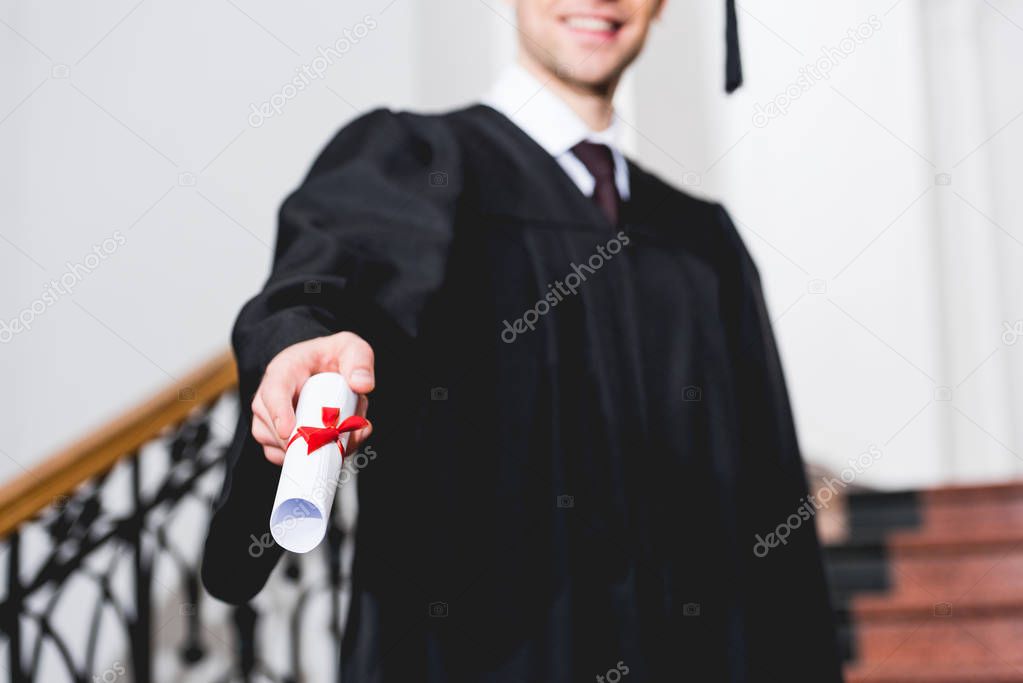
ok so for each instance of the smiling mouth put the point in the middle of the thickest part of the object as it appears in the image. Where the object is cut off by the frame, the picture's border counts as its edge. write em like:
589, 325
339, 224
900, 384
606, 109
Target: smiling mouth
592, 25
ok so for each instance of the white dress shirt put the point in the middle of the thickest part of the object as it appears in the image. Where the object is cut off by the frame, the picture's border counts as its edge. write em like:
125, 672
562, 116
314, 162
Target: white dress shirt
543, 116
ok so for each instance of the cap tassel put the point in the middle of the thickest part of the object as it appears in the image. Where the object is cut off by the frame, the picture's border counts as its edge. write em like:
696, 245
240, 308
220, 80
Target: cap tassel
733, 64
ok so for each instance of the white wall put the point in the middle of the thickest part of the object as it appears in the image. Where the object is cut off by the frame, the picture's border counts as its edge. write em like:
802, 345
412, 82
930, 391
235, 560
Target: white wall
109, 114
150, 135
888, 290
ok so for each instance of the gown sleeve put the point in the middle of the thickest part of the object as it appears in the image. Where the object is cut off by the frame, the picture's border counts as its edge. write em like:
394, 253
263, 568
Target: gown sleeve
790, 623
361, 245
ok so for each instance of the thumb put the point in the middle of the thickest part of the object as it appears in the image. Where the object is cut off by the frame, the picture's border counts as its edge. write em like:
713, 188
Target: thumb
356, 363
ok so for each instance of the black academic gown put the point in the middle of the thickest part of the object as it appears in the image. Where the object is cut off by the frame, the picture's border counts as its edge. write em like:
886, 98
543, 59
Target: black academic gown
580, 499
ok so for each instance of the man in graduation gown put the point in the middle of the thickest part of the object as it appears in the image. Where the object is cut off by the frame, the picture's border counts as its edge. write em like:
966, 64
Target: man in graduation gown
579, 416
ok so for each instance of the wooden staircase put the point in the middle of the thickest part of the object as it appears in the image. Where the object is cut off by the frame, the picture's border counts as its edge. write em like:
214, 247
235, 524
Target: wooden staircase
929, 585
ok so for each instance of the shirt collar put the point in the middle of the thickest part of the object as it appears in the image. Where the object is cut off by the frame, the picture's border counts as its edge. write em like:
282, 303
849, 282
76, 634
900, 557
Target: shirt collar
543, 116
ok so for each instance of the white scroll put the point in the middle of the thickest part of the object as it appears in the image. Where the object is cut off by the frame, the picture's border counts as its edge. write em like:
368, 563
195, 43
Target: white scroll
305, 493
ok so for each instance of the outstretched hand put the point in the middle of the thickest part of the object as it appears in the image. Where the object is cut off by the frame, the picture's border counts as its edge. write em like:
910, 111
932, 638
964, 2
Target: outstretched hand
273, 407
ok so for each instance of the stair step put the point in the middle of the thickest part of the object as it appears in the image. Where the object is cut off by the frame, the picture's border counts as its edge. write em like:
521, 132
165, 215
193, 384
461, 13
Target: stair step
923, 609
974, 492
937, 640
955, 542
977, 574
854, 574
873, 515
970, 493
923, 673
995, 513
944, 565
928, 586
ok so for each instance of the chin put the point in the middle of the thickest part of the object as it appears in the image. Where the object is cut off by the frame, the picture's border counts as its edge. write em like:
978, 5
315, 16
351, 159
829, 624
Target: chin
594, 78
594, 67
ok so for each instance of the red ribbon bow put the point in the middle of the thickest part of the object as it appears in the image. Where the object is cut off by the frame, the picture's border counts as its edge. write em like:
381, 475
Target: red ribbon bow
317, 437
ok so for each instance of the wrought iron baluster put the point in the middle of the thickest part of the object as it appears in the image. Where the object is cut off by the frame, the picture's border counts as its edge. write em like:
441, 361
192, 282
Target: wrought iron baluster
141, 634
335, 539
12, 608
193, 651
245, 630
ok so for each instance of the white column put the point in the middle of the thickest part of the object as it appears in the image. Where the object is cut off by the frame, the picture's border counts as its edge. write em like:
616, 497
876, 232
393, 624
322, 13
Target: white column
973, 251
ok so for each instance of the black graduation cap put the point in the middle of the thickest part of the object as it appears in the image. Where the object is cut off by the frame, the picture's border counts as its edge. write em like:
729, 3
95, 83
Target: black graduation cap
733, 65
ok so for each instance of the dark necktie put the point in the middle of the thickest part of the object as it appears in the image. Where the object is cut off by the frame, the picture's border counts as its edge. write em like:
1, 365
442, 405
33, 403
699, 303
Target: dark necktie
600, 163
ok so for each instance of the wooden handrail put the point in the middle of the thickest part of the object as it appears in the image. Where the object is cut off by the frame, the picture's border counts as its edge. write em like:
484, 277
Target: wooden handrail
60, 474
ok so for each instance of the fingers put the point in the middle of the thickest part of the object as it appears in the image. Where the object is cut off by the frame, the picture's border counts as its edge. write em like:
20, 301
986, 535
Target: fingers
273, 448
274, 455
260, 414
362, 406
263, 435
355, 362
273, 406
359, 436
280, 386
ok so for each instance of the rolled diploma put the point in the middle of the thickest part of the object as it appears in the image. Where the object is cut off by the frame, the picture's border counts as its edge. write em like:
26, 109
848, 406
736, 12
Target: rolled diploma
305, 493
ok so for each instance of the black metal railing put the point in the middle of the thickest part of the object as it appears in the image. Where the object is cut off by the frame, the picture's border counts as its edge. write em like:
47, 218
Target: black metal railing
104, 584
